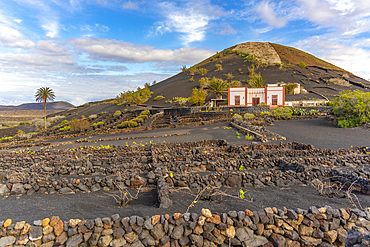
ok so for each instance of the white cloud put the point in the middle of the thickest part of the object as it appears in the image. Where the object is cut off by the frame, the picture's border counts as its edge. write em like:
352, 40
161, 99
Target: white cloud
190, 20
51, 28
124, 52
267, 13
9, 34
15, 42
351, 56
130, 5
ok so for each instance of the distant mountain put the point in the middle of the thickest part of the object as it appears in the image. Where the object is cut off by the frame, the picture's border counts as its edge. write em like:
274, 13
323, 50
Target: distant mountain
56, 105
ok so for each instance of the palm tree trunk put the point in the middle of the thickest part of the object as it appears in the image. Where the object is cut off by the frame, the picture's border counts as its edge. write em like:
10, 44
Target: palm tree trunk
45, 113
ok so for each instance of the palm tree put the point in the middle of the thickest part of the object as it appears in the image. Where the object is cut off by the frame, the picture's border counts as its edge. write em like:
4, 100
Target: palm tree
44, 95
217, 86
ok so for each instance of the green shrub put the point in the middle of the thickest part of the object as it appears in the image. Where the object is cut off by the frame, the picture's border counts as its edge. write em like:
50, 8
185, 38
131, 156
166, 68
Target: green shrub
146, 112
255, 79
249, 116
159, 97
24, 123
138, 120
302, 65
192, 70
352, 108
198, 96
19, 132
313, 112
6, 138
265, 113
202, 71
289, 88
64, 122
65, 128
98, 123
299, 112
237, 117
135, 97
117, 113
282, 113
191, 79
229, 76
128, 124
218, 67
143, 116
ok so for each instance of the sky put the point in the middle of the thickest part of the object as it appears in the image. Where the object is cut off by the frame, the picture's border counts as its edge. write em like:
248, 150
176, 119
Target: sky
89, 50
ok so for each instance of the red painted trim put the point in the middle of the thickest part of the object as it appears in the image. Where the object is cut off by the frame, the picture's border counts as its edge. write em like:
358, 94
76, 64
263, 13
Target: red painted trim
246, 97
228, 97
283, 95
266, 90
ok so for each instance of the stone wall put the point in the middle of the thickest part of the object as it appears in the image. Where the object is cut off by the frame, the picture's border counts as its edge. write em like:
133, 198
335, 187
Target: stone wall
268, 227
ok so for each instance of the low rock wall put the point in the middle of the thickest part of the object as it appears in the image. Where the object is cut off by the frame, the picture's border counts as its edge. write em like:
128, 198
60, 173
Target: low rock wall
268, 227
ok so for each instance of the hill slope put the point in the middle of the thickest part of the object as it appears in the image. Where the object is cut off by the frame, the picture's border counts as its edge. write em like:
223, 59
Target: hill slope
276, 63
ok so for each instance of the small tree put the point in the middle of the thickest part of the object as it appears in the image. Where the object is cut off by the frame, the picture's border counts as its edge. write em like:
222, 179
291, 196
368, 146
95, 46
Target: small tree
218, 86
352, 108
198, 96
255, 79
44, 95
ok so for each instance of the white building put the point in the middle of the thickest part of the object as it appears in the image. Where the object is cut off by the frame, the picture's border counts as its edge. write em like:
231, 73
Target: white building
272, 95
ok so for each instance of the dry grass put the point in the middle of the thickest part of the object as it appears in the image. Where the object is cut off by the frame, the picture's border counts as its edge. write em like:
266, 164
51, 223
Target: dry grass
11, 118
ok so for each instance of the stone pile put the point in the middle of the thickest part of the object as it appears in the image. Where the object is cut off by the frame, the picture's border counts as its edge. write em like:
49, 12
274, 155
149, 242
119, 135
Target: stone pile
268, 227
89, 169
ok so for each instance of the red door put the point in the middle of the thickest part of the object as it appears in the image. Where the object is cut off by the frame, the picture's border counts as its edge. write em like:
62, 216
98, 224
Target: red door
274, 100
255, 101
237, 99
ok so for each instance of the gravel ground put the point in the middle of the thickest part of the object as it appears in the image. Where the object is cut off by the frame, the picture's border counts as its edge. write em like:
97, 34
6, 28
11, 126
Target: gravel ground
99, 204
318, 132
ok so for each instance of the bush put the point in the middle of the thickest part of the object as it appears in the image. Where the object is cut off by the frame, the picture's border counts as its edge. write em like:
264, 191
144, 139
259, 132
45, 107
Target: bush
65, 128
249, 116
299, 112
313, 112
143, 116
191, 79
98, 123
237, 117
128, 124
352, 108
265, 113
23, 123
20, 132
117, 113
79, 124
204, 82
146, 112
290, 87
302, 65
192, 70
198, 96
135, 97
282, 113
218, 67
229, 76
202, 71
255, 79
138, 120
159, 97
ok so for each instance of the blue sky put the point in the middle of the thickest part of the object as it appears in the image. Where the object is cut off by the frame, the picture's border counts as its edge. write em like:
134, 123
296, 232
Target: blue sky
88, 50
